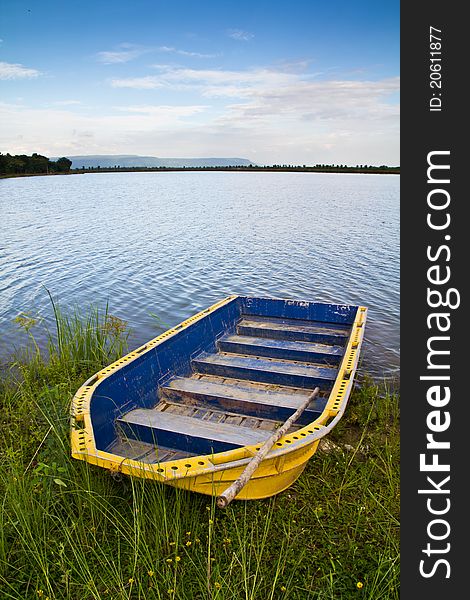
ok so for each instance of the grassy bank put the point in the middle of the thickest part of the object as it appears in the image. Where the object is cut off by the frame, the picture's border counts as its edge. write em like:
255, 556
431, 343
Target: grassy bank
71, 531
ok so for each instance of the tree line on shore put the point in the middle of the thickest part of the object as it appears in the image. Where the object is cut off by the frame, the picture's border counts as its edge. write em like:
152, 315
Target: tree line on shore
21, 164
319, 168
296, 168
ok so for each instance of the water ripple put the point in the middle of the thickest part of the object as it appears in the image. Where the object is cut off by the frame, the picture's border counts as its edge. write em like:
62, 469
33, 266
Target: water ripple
173, 243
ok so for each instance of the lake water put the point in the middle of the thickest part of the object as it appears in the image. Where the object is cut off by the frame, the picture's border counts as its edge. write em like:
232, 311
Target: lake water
170, 244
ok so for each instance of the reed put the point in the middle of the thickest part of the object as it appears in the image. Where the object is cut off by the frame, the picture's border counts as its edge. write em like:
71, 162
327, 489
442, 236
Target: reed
69, 530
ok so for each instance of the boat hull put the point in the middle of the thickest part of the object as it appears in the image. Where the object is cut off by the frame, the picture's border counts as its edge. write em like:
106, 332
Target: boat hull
192, 407
271, 477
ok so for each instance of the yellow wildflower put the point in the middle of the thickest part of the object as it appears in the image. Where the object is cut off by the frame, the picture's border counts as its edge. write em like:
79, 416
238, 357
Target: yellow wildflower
26, 322
188, 543
131, 580
359, 585
169, 560
283, 588
217, 585
177, 558
114, 325
150, 573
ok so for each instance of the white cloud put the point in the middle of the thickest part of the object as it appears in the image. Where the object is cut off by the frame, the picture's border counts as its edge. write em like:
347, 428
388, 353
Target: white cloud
67, 102
285, 114
124, 54
313, 101
138, 83
281, 114
208, 82
17, 71
240, 35
277, 92
162, 111
61, 131
185, 52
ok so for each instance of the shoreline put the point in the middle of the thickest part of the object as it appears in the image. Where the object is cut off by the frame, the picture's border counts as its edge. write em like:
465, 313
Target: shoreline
363, 171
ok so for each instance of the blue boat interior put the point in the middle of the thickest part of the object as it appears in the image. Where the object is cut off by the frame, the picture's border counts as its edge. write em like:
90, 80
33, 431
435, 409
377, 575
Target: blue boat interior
225, 380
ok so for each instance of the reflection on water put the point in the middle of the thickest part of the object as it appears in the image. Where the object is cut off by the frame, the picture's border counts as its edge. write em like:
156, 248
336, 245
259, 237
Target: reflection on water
171, 244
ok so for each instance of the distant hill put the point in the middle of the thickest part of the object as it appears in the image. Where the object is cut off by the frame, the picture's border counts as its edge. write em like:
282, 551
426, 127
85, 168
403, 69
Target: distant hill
129, 161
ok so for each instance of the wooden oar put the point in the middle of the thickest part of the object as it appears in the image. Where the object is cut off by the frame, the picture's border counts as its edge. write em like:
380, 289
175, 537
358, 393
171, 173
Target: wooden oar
229, 494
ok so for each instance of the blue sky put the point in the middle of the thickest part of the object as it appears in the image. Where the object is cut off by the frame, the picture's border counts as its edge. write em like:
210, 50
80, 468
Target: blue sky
275, 82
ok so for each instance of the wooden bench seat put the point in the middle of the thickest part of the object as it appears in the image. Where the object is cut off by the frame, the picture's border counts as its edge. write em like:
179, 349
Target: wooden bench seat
283, 349
322, 333
189, 434
243, 399
265, 370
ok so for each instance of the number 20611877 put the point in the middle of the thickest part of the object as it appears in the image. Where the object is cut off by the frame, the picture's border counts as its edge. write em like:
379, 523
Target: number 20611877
435, 68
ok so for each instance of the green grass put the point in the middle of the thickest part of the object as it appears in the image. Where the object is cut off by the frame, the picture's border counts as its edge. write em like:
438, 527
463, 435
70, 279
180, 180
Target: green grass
70, 531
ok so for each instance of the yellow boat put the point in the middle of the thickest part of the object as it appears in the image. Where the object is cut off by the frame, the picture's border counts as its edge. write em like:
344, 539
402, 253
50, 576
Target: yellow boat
192, 407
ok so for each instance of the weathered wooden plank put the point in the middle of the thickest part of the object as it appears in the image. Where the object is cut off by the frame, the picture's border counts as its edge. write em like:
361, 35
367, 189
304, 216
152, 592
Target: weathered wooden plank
212, 412
187, 433
324, 325
144, 452
243, 399
293, 332
283, 349
271, 371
